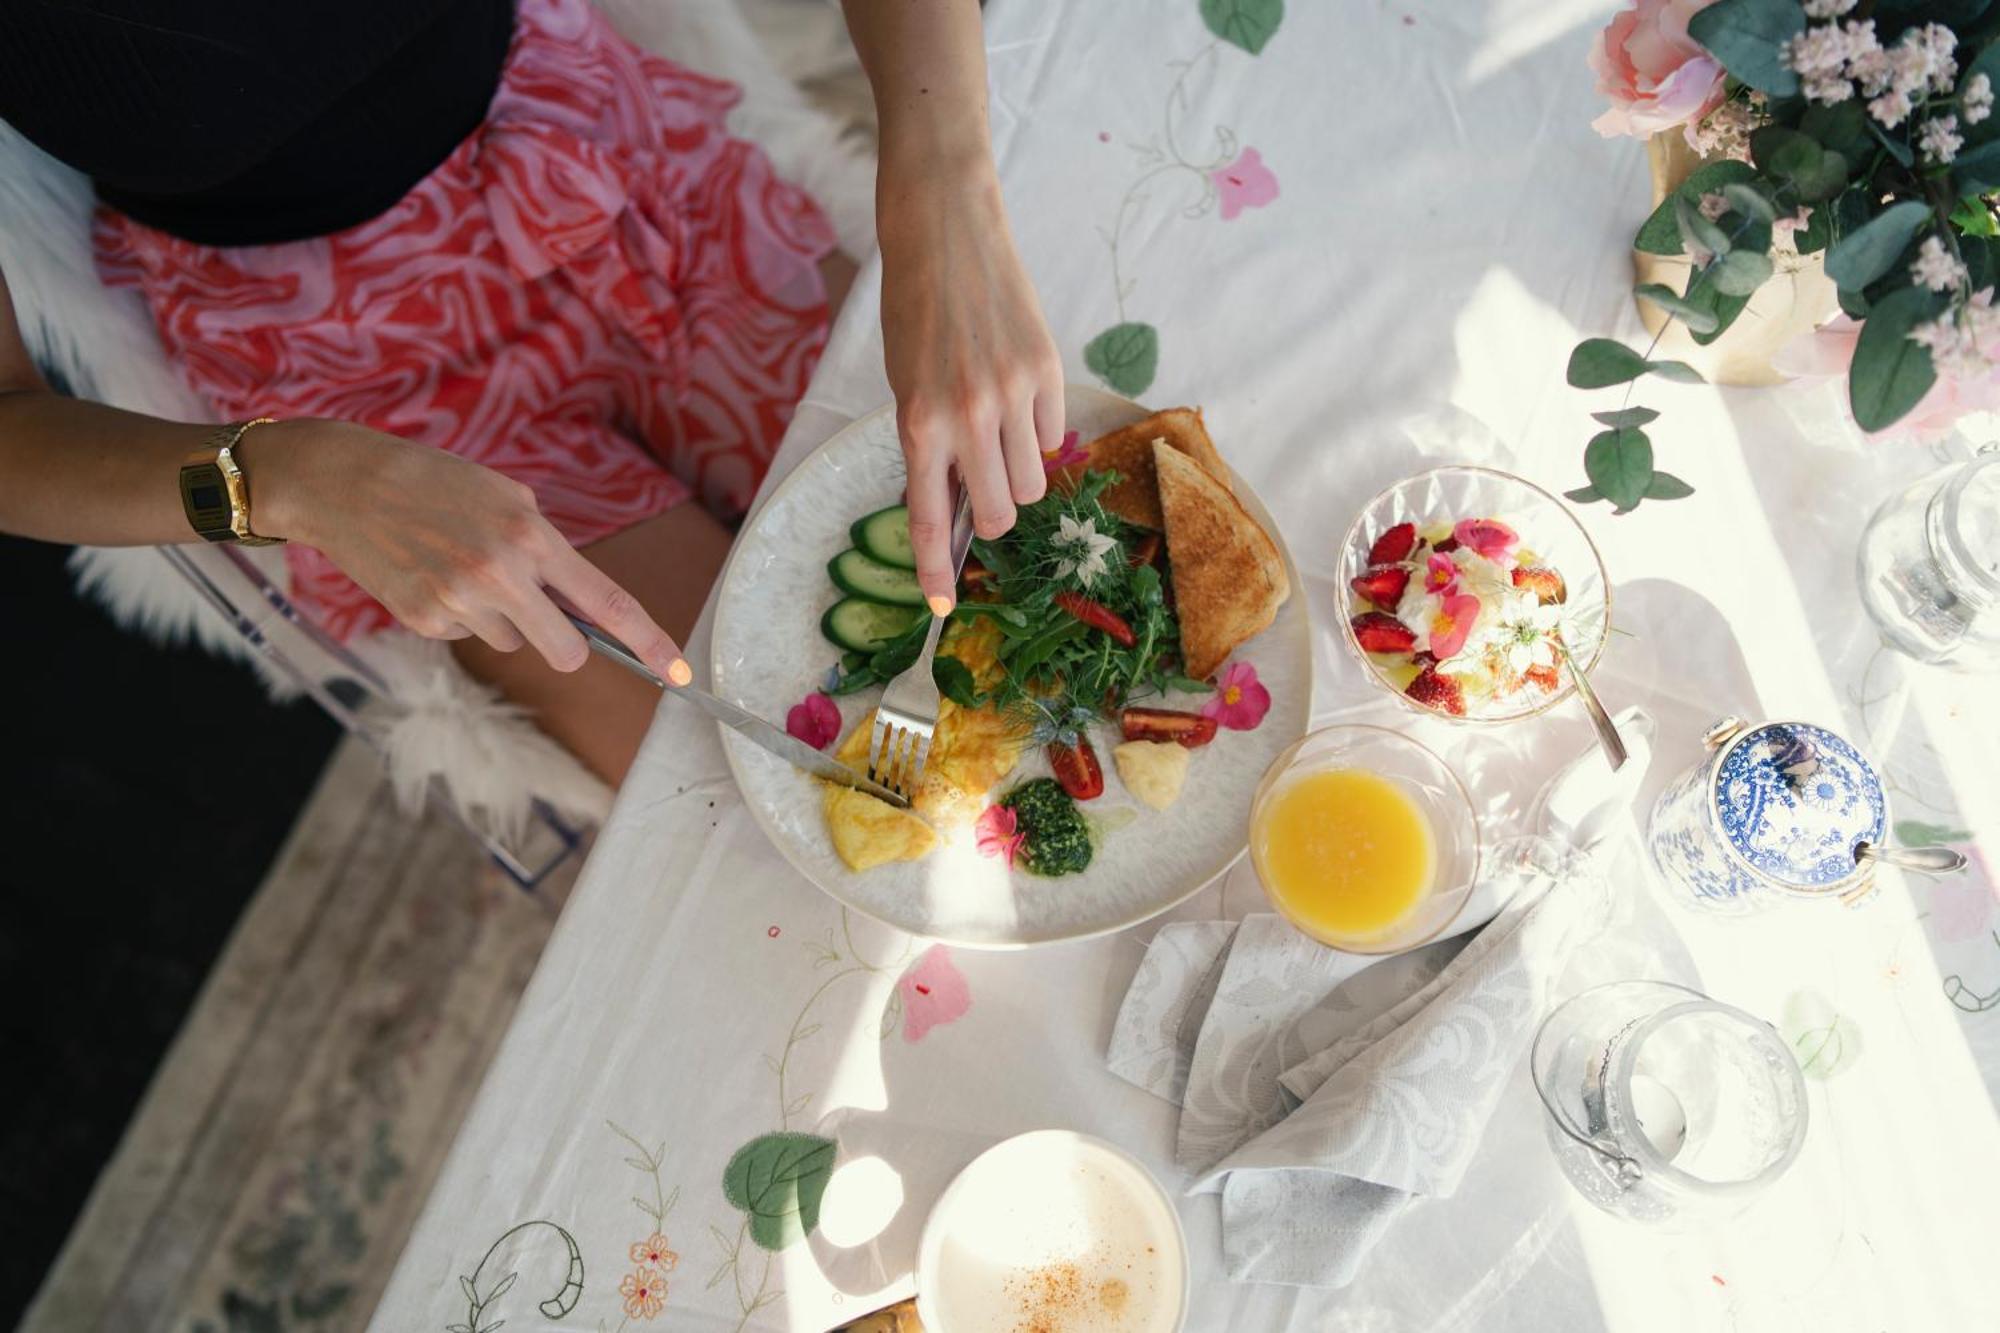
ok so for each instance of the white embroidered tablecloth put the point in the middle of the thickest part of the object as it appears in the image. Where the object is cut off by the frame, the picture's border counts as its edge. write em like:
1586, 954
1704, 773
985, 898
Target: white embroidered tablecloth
1366, 247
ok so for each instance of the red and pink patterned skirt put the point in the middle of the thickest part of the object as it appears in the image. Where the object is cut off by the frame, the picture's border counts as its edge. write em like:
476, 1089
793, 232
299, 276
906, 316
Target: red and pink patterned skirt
600, 293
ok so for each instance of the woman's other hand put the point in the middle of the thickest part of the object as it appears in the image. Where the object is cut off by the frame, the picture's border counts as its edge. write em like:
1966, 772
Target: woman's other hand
451, 548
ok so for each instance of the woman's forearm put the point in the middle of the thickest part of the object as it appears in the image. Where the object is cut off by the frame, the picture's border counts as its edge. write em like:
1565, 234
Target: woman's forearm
926, 61
80, 472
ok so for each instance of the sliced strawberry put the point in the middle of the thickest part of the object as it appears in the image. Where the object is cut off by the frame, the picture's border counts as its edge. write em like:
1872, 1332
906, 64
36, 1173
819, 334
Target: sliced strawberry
1077, 769
1440, 693
1394, 545
1166, 724
1544, 678
1380, 633
1384, 587
1097, 616
1544, 582
1145, 550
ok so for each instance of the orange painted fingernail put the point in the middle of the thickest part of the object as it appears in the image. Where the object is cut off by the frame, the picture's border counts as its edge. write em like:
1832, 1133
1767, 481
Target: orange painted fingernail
940, 606
679, 672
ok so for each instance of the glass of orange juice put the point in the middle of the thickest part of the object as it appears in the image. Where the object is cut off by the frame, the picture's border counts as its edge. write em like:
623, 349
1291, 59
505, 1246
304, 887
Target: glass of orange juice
1364, 839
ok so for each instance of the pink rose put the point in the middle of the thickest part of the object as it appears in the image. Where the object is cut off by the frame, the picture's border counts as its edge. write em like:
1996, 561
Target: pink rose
1655, 75
1244, 183
1828, 351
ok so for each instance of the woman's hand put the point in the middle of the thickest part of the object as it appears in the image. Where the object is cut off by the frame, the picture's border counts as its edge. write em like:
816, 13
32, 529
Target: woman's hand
978, 381
451, 548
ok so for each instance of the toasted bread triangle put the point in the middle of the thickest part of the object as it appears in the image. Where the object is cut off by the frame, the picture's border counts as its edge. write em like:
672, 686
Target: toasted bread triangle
1229, 579
1128, 451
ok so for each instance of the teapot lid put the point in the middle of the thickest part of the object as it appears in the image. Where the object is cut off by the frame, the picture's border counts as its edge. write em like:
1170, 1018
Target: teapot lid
1794, 801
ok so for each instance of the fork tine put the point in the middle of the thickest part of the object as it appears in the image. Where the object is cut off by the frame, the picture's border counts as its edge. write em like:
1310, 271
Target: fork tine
899, 761
923, 758
878, 753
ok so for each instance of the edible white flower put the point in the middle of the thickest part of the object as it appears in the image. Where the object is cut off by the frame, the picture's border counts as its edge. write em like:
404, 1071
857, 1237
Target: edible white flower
1936, 267
1526, 635
1978, 99
1081, 549
1939, 139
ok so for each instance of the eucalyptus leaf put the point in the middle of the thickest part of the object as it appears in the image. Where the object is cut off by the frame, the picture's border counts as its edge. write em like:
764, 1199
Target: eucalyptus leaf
1843, 127
1890, 374
1747, 35
1697, 232
1583, 495
1740, 272
1599, 362
1725, 308
1666, 486
1666, 298
1897, 148
1865, 254
1628, 416
1977, 170
1751, 201
1659, 234
1817, 233
1680, 372
1619, 464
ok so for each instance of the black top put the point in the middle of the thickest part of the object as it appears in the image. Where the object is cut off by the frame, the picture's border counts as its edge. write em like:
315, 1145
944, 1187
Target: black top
242, 122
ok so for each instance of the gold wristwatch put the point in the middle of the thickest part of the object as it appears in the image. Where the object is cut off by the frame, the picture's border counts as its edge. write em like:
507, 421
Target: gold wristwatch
215, 492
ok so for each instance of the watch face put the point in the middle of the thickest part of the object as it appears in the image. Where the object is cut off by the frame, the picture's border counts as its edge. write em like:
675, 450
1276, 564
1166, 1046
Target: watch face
205, 496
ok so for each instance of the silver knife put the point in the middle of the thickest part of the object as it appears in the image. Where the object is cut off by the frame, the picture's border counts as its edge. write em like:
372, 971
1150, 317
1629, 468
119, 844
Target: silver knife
741, 720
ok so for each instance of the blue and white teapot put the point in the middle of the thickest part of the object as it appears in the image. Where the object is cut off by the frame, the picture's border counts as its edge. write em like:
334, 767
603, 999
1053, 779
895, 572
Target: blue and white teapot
1782, 810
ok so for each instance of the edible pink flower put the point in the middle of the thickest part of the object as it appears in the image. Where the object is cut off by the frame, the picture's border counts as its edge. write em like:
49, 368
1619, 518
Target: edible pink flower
815, 720
1440, 573
1066, 454
1653, 73
1244, 183
996, 834
934, 993
1486, 536
1453, 622
1240, 699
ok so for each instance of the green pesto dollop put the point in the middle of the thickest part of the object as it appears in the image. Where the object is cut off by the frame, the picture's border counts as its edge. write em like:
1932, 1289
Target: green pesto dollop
1057, 838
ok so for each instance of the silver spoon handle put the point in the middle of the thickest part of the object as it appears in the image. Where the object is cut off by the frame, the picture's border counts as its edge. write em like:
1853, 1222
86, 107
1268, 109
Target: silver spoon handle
1923, 860
1607, 734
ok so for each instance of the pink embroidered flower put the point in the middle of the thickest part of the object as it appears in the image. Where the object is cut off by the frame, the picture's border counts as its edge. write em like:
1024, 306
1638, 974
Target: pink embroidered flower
1244, 183
815, 720
652, 1252
645, 1293
1066, 454
1440, 573
934, 992
1655, 75
1240, 699
996, 834
1486, 536
1453, 623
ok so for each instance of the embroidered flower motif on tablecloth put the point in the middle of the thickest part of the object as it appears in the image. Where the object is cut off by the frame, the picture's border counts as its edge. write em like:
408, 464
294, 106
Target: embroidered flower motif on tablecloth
1244, 183
934, 992
645, 1293
652, 1252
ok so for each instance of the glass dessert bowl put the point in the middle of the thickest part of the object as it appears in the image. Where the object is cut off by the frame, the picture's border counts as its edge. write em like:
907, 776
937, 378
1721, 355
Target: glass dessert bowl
1466, 588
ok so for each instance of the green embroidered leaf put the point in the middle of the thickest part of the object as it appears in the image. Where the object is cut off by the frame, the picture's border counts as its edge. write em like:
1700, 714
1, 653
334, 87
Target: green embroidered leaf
1916, 833
1125, 356
777, 1180
1629, 416
465, 1285
1666, 486
1245, 23
1669, 300
1746, 35
1825, 1040
1890, 373
1660, 234
1620, 465
1865, 254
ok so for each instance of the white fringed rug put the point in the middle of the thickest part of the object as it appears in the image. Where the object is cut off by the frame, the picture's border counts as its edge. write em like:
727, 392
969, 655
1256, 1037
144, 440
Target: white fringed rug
275, 1165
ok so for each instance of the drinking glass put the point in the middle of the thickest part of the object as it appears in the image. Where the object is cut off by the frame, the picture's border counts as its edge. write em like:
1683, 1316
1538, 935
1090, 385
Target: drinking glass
1929, 567
1665, 1106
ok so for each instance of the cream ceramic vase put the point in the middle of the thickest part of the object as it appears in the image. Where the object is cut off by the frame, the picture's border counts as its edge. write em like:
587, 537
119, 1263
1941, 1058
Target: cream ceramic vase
1798, 298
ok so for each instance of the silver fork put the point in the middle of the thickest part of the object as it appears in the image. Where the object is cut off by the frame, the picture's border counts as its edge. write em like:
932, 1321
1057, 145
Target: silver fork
899, 744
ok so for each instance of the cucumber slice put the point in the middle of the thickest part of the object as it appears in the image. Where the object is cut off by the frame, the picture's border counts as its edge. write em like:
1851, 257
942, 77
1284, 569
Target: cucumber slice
885, 535
858, 574
862, 626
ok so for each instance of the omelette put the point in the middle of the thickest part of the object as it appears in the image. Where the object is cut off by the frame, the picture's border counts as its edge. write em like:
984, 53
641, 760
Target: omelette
973, 750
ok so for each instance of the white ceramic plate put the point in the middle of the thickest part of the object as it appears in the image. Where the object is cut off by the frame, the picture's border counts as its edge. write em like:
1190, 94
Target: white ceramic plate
1057, 1225
768, 654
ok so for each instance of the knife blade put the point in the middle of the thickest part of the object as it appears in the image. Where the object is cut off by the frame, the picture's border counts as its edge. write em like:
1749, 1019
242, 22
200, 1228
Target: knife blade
740, 720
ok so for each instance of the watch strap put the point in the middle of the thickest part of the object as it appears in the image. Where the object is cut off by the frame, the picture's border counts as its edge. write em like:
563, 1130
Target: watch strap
215, 467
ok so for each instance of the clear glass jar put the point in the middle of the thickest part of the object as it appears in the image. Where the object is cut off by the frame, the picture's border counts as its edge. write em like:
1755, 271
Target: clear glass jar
1929, 567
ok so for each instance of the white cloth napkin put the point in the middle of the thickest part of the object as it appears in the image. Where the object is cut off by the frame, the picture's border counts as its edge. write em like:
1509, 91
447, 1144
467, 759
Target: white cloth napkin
1321, 1096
